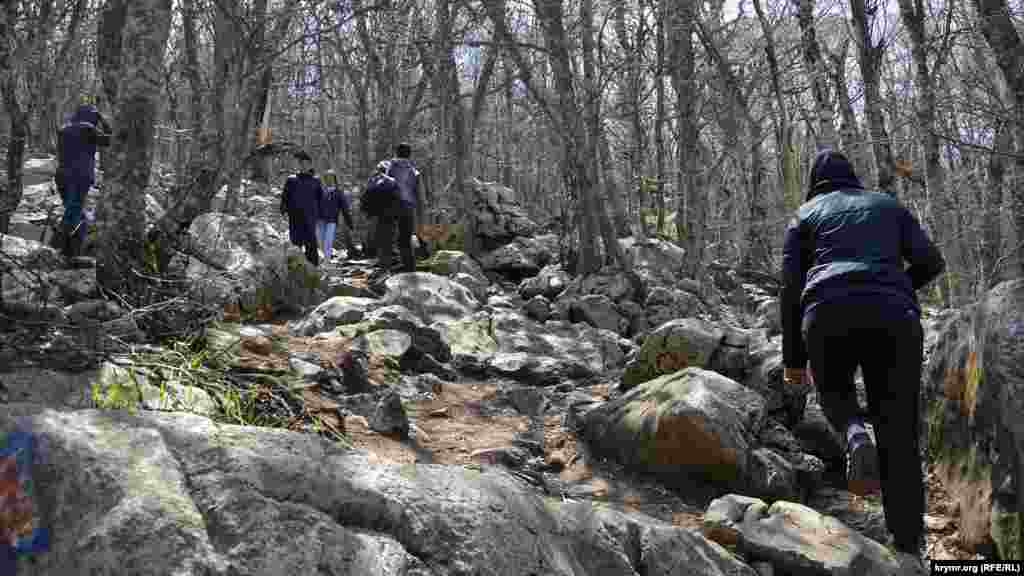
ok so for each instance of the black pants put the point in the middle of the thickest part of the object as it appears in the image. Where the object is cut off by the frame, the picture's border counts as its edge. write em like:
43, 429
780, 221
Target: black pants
312, 252
886, 340
401, 218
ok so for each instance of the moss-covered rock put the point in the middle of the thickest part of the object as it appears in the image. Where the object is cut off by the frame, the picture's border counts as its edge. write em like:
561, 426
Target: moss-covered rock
691, 422
974, 431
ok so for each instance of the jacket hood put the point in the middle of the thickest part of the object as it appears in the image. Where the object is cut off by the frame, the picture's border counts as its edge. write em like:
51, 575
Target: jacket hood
85, 113
831, 172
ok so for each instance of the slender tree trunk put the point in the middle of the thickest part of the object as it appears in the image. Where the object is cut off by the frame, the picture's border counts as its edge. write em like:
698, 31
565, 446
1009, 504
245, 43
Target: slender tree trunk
690, 217
121, 232
11, 190
50, 116
869, 56
913, 13
789, 179
850, 139
826, 135
659, 121
595, 150
991, 201
998, 28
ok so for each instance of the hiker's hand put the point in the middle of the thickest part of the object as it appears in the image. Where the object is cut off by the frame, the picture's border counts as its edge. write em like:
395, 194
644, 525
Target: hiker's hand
794, 376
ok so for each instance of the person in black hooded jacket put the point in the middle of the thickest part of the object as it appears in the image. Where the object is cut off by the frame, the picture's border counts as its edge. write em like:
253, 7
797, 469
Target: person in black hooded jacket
848, 301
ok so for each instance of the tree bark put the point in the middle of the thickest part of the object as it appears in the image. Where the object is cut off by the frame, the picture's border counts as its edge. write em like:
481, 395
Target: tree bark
659, 120
913, 14
690, 216
121, 227
869, 57
826, 136
998, 28
10, 77
850, 138
595, 136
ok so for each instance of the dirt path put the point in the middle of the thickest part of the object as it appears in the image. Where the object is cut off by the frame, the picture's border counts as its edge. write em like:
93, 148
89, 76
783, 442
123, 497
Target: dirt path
471, 424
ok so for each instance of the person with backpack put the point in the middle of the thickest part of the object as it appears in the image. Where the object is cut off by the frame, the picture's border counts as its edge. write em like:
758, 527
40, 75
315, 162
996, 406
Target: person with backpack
77, 141
332, 201
847, 301
301, 201
404, 213
379, 198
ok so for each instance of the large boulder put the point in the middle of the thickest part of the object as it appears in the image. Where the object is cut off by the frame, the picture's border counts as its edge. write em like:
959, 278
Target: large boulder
671, 347
521, 257
178, 494
34, 275
425, 339
498, 217
549, 283
248, 262
656, 261
334, 312
666, 304
692, 423
975, 390
430, 297
507, 343
796, 539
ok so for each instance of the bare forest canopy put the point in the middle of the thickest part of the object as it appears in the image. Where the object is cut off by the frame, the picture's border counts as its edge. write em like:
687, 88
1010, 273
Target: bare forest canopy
692, 121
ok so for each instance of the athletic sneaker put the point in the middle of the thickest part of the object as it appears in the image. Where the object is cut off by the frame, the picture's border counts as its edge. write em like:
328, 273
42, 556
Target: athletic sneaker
862, 477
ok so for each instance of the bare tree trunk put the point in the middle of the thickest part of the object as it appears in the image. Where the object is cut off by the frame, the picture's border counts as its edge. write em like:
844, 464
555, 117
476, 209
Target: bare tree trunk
869, 56
659, 120
690, 217
789, 180
121, 231
595, 148
991, 200
50, 116
631, 86
826, 136
850, 139
913, 13
998, 28
10, 77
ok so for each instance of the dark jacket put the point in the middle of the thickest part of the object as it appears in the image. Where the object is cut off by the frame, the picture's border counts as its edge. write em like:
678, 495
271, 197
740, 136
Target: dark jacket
77, 141
332, 201
848, 242
405, 173
301, 200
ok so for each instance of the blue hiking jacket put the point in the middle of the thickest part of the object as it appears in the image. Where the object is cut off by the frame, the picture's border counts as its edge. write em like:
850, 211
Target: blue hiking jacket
332, 201
77, 142
847, 242
407, 176
301, 200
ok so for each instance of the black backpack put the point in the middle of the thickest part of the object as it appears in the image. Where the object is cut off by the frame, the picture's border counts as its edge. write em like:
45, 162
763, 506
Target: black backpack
380, 196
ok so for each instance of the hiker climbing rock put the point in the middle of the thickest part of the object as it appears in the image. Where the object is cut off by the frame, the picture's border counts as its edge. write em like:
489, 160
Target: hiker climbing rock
847, 302
332, 201
301, 201
77, 141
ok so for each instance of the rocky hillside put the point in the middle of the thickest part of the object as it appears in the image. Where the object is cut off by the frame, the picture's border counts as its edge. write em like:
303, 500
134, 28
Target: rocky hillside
490, 415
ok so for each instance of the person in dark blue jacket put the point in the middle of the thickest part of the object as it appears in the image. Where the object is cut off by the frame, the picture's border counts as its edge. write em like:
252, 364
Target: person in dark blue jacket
403, 215
333, 200
848, 301
77, 141
301, 201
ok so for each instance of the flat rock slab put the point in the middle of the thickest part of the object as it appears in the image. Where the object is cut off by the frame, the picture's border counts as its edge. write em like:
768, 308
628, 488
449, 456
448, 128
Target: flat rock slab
795, 539
143, 494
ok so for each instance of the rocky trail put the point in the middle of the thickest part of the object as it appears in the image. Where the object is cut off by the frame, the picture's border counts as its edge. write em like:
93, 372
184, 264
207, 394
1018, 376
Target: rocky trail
489, 415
